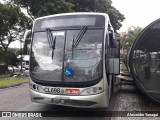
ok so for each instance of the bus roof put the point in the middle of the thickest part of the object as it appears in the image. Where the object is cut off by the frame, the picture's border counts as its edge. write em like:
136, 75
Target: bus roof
75, 13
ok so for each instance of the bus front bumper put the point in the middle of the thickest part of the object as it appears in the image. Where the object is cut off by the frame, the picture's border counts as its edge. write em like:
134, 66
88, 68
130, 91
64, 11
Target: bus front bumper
90, 101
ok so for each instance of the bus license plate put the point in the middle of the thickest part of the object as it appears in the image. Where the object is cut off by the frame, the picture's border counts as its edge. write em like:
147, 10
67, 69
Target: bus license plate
72, 91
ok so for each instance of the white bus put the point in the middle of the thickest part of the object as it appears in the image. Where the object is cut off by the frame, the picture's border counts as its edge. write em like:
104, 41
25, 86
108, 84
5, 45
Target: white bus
74, 58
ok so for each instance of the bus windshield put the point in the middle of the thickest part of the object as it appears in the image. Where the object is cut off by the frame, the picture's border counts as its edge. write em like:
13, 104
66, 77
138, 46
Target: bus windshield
69, 63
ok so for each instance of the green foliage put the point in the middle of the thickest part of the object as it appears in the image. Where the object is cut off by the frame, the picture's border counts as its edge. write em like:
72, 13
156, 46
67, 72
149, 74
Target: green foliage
10, 57
58, 6
123, 68
38, 8
13, 81
126, 43
104, 6
127, 40
13, 24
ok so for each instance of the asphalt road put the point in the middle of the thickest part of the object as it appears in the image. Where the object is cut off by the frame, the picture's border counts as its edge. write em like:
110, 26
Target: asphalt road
14, 98
128, 99
17, 99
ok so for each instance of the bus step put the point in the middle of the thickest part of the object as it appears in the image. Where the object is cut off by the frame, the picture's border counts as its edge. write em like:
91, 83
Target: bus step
125, 78
125, 73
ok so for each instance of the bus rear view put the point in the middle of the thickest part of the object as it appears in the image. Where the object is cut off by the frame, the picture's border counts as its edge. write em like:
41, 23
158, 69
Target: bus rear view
67, 60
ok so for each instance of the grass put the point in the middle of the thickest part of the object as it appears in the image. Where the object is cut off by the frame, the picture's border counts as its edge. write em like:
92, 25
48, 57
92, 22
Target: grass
123, 68
12, 81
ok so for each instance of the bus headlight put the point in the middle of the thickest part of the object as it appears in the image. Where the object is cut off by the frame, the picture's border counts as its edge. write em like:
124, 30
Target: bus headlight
88, 90
92, 91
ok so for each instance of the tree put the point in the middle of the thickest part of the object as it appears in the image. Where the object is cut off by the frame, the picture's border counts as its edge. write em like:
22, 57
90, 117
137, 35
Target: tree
13, 24
128, 39
38, 8
126, 42
104, 6
10, 56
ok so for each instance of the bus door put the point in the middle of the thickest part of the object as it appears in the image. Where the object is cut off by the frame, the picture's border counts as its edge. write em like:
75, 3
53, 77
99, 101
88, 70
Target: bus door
114, 54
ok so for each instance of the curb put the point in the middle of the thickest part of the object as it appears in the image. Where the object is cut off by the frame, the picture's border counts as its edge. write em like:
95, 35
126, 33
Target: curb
15, 85
4, 76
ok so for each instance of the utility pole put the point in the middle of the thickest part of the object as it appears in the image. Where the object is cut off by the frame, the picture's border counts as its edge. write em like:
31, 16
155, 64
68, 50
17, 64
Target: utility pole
21, 55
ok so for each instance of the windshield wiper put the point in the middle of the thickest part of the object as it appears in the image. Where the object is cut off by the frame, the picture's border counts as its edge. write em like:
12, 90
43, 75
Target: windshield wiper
79, 37
51, 41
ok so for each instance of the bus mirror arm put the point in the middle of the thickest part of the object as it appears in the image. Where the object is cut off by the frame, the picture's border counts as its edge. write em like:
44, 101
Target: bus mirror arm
25, 48
27, 40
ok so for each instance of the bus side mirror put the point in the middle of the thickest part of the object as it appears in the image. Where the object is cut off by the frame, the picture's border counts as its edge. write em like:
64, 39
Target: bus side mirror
27, 40
112, 40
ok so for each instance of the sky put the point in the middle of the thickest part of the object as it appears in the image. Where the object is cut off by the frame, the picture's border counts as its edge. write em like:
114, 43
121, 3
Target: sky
137, 12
